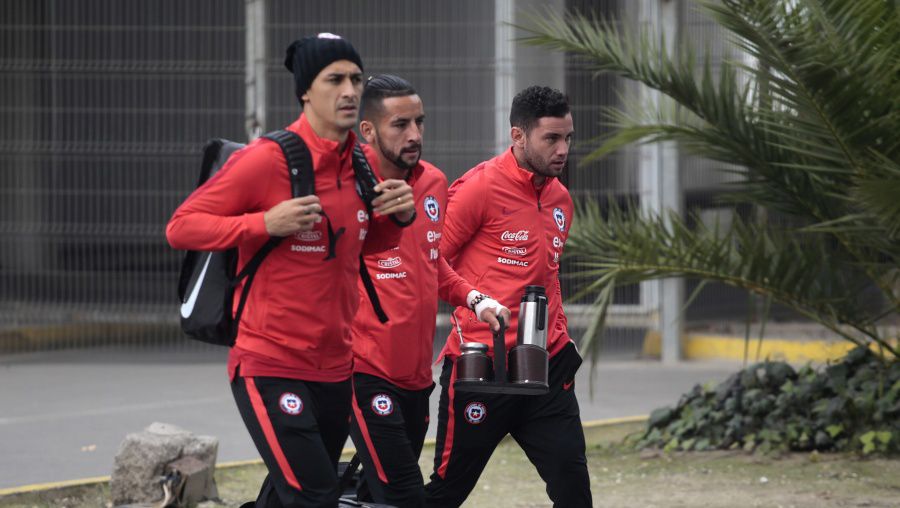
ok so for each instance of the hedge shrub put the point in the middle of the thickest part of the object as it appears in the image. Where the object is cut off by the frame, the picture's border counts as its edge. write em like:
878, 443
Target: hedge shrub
852, 405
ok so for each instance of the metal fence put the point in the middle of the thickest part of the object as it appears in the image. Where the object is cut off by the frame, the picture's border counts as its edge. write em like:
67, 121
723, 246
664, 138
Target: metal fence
107, 103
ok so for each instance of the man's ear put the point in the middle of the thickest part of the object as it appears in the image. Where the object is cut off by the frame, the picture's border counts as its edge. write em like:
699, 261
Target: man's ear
518, 136
367, 130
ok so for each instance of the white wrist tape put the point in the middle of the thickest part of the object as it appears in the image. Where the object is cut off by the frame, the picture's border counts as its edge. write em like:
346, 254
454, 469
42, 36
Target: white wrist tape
488, 303
485, 303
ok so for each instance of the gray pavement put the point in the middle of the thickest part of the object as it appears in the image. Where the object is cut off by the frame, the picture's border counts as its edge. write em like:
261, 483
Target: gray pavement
63, 414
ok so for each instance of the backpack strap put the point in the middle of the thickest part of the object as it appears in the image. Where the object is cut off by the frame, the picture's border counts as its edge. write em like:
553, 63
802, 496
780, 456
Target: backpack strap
365, 187
249, 272
299, 161
300, 171
347, 477
370, 290
365, 177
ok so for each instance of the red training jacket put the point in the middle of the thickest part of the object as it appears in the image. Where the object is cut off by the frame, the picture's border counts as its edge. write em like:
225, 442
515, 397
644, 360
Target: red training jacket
406, 279
296, 323
502, 234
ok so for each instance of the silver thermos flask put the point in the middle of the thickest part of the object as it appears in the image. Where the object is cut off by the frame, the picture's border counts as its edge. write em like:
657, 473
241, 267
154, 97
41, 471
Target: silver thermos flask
528, 360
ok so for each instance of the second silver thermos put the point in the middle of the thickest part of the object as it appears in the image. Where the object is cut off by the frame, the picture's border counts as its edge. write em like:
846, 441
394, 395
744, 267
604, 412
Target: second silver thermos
528, 360
533, 317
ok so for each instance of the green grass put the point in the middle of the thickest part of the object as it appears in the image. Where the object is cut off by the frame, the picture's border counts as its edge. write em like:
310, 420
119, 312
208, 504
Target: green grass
620, 476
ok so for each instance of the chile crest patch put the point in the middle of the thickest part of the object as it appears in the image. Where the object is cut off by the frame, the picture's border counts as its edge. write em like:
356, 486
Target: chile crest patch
290, 403
475, 412
382, 404
560, 218
432, 210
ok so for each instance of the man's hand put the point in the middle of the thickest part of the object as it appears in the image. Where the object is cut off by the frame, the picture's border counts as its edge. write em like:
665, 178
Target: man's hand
293, 215
396, 198
487, 309
489, 316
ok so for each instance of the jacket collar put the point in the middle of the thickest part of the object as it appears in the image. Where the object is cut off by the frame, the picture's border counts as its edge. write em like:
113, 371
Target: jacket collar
511, 167
322, 145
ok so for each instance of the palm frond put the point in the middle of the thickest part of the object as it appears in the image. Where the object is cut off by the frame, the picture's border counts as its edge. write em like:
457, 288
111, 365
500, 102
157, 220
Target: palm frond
824, 60
627, 246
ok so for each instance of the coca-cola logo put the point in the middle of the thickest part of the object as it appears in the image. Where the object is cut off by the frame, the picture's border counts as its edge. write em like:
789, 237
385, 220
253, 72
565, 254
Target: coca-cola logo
515, 251
515, 236
389, 262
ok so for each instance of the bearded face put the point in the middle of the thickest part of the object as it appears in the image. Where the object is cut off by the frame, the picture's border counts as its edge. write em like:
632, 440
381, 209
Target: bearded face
399, 129
545, 149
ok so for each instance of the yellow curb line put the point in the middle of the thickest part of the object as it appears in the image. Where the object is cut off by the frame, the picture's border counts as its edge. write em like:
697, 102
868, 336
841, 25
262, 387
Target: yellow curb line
53, 485
608, 422
703, 346
83, 482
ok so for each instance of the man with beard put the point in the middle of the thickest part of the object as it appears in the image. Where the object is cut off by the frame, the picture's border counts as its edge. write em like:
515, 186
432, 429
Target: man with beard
507, 221
291, 362
392, 377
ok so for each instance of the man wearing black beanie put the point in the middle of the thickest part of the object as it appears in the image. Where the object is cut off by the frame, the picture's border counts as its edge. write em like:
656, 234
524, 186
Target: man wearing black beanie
291, 362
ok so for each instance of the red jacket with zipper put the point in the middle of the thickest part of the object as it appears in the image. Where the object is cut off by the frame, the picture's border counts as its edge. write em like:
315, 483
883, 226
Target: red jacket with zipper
296, 323
406, 279
503, 233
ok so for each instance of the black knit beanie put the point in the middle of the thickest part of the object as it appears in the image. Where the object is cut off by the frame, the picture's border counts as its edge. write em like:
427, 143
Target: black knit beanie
307, 57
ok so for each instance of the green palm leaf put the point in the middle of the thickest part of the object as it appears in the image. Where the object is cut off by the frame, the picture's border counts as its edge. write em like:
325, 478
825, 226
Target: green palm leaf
625, 246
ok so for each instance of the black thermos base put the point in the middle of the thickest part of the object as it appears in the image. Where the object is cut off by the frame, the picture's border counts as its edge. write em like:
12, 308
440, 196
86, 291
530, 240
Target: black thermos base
528, 364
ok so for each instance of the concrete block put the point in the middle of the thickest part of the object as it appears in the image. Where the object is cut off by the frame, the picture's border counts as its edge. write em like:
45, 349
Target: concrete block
142, 459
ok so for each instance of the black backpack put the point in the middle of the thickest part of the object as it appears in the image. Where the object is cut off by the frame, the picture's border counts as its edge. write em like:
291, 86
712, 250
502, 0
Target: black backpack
206, 286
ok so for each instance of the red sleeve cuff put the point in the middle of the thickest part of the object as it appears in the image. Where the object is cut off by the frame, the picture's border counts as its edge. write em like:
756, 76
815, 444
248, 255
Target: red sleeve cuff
256, 225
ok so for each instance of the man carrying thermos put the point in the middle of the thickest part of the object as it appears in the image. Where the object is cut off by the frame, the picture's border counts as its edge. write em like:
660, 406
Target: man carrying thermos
507, 221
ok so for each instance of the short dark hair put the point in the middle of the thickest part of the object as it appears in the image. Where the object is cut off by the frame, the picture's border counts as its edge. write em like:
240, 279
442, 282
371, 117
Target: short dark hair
534, 103
377, 89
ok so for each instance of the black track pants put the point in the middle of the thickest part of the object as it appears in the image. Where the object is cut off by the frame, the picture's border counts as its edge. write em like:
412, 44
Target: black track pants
547, 427
299, 428
388, 427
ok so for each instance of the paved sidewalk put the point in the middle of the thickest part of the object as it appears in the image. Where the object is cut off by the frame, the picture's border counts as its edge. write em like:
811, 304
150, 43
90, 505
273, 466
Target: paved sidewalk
63, 414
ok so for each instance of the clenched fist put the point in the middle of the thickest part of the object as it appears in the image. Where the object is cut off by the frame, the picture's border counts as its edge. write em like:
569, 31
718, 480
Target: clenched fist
396, 198
293, 215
